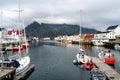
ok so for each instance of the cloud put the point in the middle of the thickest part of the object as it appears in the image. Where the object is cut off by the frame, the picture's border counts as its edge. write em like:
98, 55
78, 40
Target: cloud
95, 13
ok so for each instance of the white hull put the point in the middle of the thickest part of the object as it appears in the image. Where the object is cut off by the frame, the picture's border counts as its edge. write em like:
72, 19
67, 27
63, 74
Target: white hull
86, 59
24, 64
82, 57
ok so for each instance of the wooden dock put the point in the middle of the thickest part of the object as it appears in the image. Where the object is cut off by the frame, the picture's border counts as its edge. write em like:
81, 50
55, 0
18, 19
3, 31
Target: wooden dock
7, 74
109, 71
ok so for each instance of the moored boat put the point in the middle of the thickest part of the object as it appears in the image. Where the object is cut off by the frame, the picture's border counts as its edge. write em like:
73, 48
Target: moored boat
96, 74
89, 66
70, 42
117, 46
107, 57
24, 64
82, 57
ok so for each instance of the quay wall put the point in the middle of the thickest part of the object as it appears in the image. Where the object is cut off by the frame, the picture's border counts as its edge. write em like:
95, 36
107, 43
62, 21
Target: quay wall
83, 42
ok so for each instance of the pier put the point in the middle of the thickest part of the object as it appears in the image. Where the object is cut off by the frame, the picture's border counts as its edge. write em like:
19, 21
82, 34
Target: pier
7, 74
10, 73
109, 71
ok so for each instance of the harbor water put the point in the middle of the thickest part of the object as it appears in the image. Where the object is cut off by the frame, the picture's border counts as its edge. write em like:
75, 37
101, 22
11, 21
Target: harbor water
54, 61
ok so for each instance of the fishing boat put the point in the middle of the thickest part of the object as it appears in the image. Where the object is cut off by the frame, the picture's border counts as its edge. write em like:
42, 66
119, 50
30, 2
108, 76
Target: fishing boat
107, 57
96, 74
19, 60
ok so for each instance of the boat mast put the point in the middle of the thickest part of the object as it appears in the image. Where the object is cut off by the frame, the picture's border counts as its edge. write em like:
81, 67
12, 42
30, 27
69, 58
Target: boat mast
25, 37
80, 30
1, 41
19, 27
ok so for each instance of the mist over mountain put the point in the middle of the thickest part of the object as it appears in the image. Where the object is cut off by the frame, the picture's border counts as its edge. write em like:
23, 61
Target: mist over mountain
52, 30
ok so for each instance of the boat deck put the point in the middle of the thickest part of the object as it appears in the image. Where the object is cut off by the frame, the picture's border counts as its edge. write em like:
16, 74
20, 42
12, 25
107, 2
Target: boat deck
109, 71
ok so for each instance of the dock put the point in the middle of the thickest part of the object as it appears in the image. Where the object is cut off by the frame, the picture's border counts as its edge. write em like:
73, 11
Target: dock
109, 71
7, 74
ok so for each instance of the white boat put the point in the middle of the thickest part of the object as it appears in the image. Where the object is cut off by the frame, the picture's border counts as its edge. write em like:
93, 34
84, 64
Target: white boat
107, 57
96, 74
117, 46
82, 57
21, 61
21, 64
24, 64
104, 53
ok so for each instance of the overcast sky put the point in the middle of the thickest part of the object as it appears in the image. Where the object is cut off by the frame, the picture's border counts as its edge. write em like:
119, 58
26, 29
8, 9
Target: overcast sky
97, 14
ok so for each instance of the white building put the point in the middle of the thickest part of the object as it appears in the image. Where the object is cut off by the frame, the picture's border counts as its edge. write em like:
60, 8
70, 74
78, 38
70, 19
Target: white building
100, 38
111, 33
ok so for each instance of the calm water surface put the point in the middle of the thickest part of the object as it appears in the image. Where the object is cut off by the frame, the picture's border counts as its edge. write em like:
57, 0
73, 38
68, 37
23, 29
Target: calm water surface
54, 62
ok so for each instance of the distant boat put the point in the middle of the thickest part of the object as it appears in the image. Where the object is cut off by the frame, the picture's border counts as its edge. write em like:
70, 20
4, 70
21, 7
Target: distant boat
117, 46
70, 42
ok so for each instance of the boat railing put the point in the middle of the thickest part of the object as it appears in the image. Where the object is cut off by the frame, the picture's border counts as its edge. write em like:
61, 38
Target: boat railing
16, 56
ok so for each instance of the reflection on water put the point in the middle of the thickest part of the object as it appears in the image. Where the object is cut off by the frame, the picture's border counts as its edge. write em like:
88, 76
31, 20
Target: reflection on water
54, 62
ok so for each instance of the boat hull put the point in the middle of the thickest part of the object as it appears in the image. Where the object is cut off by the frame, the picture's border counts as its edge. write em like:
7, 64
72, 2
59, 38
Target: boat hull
89, 66
110, 61
24, 64
107, 58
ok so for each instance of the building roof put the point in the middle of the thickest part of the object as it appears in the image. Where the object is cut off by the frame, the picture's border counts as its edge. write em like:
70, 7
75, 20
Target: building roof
112, 27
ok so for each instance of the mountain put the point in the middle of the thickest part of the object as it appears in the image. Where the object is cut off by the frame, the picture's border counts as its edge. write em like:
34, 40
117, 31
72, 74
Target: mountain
52, 30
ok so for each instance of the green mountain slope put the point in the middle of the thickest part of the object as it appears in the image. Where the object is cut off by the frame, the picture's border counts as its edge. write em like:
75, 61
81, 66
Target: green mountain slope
52, 30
